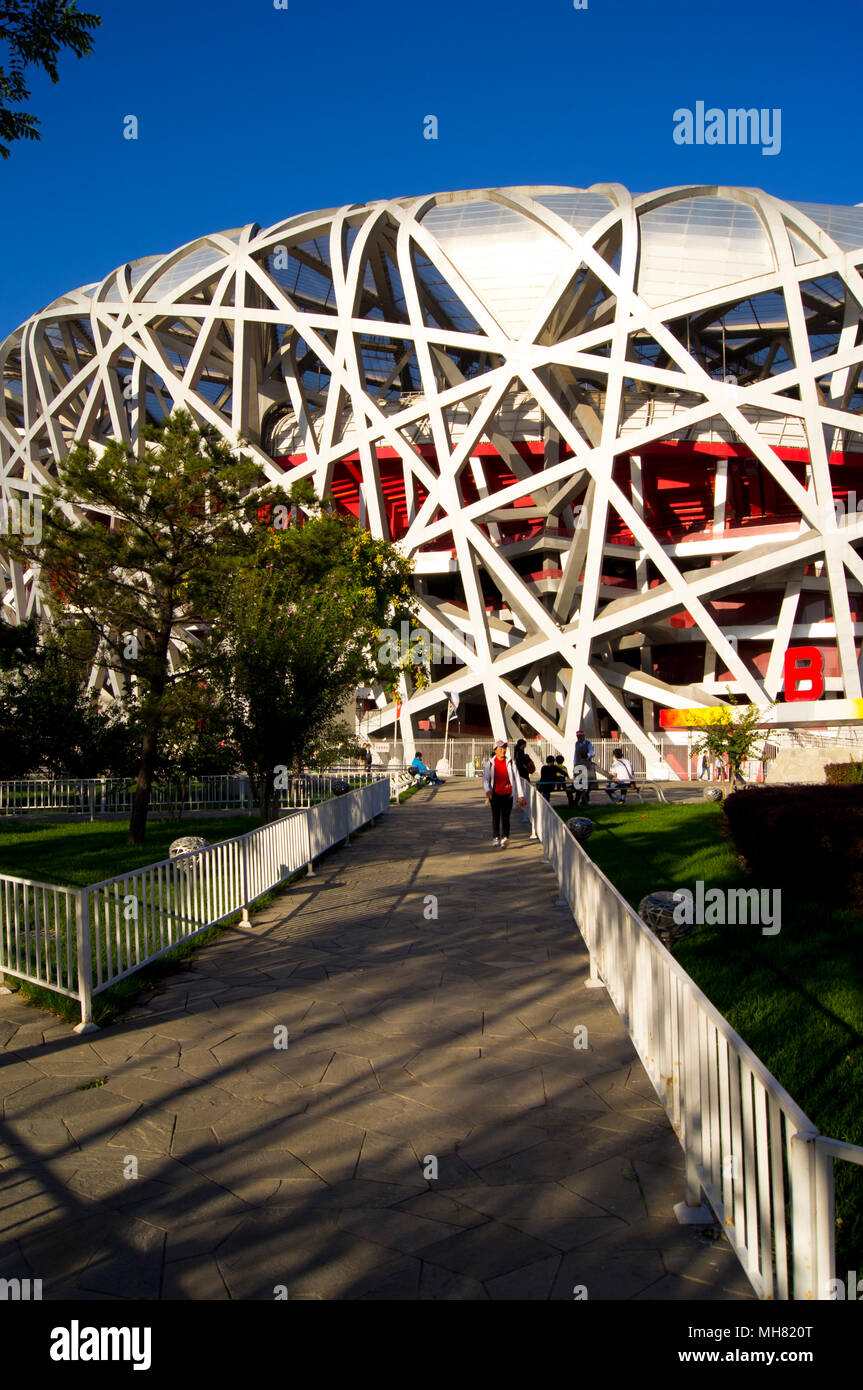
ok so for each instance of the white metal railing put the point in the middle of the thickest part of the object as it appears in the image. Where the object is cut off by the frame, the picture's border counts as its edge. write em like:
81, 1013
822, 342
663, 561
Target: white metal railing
360, 775
461, 750
94, 797
759, 1161
105, 796
39, 933
818, 738
80, 941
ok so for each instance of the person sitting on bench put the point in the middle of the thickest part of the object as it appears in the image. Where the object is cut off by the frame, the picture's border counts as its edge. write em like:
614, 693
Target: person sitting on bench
419, 768
563, 781
547, 777
621, 774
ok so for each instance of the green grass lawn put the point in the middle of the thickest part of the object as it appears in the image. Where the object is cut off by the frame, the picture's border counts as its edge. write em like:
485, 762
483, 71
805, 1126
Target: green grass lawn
78, 854
74, 854
796, 998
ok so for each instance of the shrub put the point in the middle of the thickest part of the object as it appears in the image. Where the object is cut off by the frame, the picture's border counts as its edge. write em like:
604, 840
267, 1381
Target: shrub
844, 774
806, 839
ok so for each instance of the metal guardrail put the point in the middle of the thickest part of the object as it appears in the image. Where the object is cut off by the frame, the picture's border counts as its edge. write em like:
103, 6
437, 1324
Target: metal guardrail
752, 1155
94, 797
80, 941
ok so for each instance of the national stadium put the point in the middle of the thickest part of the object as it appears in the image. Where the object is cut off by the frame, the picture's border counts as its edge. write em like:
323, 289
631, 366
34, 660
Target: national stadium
620, 435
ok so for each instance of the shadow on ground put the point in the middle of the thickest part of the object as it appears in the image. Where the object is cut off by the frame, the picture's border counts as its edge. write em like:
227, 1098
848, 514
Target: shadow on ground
429, 1132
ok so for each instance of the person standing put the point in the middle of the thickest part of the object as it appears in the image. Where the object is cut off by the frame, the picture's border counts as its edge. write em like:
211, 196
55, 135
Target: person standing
367, 756
621, 776
500, 781
525, 767
582, 768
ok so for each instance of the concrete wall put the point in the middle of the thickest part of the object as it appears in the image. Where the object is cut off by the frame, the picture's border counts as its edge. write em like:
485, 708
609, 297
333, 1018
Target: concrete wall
807, 764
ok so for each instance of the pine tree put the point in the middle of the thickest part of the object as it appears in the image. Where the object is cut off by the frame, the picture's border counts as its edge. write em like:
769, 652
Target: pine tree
137, 549
297, 634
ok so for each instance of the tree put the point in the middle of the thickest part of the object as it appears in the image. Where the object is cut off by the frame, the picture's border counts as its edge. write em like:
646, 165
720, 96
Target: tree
731, 737
47, 719
335, 743
195, 741
34, 32
297, 634
136, 547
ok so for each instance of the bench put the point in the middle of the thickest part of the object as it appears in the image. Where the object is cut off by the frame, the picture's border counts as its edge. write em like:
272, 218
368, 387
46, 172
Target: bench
421, 777
558, 785
638, 786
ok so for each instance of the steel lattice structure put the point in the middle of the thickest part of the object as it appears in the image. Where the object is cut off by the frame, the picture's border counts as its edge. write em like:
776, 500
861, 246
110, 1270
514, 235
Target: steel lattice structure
611, 429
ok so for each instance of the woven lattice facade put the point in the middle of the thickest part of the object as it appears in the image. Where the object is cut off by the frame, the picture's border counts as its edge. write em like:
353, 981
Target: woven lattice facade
612, 430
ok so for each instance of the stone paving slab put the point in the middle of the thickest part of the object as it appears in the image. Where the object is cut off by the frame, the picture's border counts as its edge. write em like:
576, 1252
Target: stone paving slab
429, 1132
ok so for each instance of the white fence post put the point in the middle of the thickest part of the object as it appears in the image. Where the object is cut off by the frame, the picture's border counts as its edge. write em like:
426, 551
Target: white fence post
804, 1217
246, 920
310, 863
692, 1211
825, 1217
85, 961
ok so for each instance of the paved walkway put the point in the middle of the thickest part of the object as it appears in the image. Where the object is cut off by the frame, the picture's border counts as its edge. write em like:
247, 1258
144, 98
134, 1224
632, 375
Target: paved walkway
410, 1038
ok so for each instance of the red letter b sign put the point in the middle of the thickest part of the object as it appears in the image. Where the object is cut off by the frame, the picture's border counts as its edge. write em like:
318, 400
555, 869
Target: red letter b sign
804, 673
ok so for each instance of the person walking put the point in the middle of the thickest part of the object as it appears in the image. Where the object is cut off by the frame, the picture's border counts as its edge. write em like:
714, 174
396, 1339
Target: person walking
621, 776
500, 781
582, 768
526, 767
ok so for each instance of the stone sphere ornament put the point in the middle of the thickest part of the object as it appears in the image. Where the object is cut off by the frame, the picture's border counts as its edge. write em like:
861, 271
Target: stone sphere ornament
656, 910
581, 827
187, 844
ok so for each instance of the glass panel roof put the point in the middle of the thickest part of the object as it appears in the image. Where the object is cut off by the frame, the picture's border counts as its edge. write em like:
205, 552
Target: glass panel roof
580, 208
844, 225
190, 264
698, 244
508, 260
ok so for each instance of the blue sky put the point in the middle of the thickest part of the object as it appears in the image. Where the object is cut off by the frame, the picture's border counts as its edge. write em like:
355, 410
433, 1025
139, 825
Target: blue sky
248, 113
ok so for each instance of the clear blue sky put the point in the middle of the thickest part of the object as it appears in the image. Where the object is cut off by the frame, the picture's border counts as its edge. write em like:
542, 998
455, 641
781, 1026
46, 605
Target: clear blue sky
248, 113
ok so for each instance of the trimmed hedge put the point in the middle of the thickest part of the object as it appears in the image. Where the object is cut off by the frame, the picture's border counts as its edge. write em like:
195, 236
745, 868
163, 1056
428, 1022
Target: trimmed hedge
808, 839
844, 774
